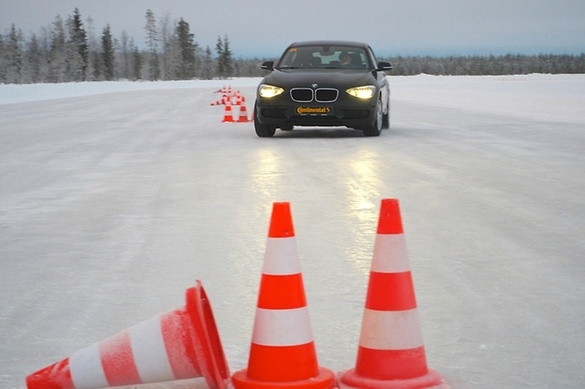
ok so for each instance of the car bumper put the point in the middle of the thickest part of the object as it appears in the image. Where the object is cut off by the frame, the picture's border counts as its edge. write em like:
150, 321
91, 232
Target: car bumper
355, 115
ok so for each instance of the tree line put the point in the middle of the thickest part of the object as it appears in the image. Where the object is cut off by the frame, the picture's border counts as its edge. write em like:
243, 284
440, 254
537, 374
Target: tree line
488, 65
68, 50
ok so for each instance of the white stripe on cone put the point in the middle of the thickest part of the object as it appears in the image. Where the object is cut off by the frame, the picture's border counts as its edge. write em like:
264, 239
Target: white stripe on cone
281, 257
405, 333
390, 254
149, 351
86, 368
282, 327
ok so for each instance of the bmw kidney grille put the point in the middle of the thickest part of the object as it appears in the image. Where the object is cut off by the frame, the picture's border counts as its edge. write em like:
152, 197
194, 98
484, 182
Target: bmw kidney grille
320, 95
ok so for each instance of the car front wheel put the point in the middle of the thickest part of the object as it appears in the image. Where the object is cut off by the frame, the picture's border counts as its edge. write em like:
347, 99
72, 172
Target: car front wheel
376, 126
386, 117
262, 130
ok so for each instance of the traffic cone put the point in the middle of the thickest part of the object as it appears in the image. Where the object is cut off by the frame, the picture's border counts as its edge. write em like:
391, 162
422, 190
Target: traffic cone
227, 116
391, 352
179, 344
282, 354
243, 118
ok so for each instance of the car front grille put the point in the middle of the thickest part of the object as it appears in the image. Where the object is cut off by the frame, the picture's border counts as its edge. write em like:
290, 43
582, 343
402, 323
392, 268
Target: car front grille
301, 95
326, 95
320, 95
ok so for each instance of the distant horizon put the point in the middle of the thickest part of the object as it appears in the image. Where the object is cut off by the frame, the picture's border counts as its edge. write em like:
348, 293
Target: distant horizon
249, 53
258, 29
432, 54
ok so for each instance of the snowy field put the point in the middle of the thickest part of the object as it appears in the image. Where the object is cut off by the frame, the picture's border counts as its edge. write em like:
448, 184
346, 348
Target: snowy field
116, 197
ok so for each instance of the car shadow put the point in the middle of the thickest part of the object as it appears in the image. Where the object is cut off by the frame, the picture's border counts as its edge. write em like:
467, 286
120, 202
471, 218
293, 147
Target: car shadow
308, 132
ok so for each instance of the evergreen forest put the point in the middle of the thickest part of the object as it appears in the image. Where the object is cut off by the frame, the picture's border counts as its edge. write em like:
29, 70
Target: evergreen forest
69, 50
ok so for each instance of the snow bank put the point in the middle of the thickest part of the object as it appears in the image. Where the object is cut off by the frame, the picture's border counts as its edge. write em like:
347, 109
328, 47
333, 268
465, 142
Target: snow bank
517, 95
36, 92
524, 95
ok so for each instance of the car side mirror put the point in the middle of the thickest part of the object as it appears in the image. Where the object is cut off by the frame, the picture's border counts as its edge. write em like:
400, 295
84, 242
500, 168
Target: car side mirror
384, 66
268, 65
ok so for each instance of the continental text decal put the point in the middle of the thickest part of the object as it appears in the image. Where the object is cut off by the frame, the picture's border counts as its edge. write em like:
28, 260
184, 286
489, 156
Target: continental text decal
313, 110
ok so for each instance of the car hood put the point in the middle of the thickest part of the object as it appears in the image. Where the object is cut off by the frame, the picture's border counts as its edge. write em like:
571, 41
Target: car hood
324, 78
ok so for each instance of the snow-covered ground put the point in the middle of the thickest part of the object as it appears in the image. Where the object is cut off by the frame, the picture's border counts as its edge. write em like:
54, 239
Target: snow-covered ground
115, 197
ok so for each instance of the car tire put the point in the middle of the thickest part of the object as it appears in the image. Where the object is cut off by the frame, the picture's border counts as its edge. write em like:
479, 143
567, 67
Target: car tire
262, 130
376, 127
386, 118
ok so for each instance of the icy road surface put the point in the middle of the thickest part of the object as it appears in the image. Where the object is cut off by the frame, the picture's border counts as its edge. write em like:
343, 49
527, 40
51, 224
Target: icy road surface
114, 201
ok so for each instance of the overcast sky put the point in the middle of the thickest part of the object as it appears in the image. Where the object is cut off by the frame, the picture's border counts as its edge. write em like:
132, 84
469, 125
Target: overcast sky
264, 28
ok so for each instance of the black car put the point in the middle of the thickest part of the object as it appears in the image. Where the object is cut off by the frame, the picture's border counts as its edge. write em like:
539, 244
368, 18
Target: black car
324, 83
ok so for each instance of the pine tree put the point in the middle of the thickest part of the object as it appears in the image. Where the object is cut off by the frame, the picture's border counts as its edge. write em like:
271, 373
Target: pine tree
225, 65
173, 56
79, 45
2, 60
228, 62
34, 60
94, 47
137, 64
108, 56
206, 72
187, 48
168, 48
152, 41
219, 52
13, 58
57, 54
125, 56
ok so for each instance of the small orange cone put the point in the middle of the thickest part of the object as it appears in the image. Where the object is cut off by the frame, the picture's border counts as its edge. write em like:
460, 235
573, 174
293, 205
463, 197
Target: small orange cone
179, 344
282, 354
238, 98
391, 352
243, 118
227, 116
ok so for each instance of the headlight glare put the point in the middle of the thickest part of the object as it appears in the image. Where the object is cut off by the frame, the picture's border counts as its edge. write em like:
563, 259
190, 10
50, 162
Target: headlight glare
362, 92
269, 91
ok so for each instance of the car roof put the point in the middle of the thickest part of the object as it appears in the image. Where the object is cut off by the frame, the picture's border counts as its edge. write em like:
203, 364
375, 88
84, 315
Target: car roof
329, 43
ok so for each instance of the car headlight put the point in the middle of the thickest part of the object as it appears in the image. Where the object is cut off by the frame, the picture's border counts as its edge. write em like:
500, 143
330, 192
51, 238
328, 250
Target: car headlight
362, 92
268, 91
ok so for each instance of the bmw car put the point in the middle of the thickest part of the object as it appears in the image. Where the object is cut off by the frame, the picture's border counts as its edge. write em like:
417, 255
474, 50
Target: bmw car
324, 84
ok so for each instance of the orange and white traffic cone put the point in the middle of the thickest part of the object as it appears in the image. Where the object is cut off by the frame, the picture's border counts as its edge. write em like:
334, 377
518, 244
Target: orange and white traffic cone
227, 116
391, 352
243, 118
282, 353
179, 344
238, 98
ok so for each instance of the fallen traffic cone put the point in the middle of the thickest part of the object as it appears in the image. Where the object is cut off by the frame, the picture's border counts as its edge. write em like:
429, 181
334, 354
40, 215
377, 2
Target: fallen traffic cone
243, 118
227, 116
179, 344
225, 99
282, 354
391, 352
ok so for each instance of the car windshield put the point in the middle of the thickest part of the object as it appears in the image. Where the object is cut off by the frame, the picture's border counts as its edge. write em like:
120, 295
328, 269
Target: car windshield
327, 57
